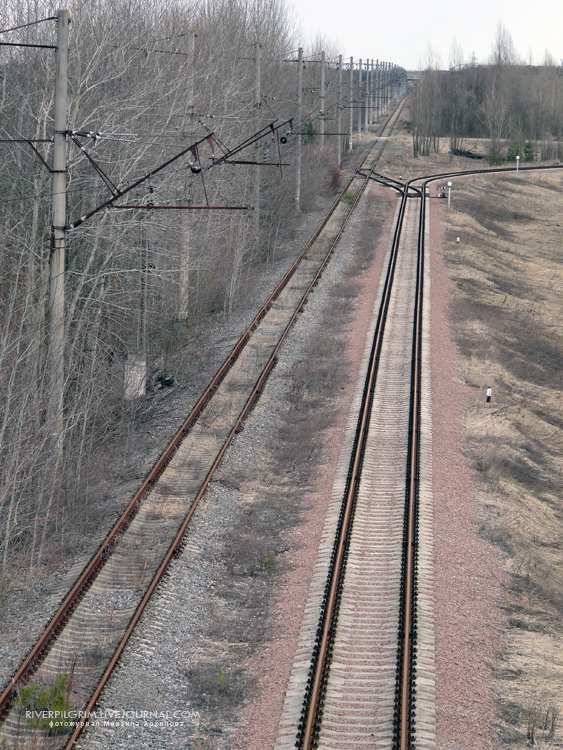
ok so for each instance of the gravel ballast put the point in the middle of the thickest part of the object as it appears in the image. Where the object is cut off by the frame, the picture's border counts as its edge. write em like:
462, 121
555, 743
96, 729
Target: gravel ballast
28, 603
241, 581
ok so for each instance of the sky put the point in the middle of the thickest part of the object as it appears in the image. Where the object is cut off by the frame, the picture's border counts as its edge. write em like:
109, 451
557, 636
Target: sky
403, 32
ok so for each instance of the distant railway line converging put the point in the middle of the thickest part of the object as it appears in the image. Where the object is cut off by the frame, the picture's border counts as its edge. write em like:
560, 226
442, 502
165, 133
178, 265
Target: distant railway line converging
363, 673
91, 628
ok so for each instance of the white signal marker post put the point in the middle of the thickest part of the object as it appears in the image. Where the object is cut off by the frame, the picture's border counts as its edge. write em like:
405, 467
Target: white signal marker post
449, 194
517, 162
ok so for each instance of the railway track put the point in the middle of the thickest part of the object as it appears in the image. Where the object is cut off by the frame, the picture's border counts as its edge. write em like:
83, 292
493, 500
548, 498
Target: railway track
351, 689
363, 673
90, 629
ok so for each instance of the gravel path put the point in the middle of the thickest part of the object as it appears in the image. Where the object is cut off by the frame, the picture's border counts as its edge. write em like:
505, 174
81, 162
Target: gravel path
467, 570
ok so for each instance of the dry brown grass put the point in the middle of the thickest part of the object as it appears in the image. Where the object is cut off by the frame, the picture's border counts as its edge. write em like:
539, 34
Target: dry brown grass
508, 312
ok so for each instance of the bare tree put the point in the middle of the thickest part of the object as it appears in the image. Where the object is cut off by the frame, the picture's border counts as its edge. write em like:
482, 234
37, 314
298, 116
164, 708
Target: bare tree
143, 90
518, 108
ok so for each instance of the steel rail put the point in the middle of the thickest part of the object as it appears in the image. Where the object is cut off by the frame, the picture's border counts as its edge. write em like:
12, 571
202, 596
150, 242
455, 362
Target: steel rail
30, 662
307, 735
406, 653
486, 170
406, 650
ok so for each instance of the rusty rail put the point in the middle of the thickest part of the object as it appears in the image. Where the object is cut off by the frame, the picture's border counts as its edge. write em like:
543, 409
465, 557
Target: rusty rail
176, 545
88, 574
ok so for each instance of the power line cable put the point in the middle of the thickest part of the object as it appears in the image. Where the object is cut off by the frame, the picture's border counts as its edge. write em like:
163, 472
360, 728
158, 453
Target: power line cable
143, 38
26, 25
21, 44
148, 50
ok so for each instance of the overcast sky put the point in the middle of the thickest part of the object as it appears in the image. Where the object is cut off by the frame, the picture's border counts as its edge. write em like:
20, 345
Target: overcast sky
403, 31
